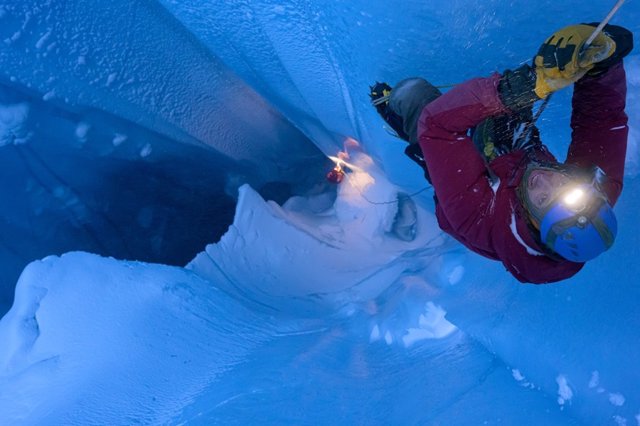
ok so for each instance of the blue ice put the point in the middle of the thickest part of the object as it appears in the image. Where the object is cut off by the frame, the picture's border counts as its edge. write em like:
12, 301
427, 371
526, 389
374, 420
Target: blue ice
170, 252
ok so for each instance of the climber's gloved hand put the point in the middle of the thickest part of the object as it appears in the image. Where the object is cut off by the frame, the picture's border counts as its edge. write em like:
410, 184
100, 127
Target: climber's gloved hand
517, 88
563, 58
624, 44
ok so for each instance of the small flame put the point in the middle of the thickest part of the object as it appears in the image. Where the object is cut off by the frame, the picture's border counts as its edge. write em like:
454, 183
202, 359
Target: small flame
341, 164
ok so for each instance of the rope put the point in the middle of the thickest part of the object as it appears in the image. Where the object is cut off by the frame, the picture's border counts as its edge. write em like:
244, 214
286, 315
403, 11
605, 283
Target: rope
522, 139
383, 202
603, 23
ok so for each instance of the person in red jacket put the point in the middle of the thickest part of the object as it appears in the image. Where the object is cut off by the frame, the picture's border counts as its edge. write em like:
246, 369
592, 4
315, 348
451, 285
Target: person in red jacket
498, 189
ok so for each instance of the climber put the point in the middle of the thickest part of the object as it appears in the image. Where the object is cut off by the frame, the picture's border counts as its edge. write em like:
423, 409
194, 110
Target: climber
498, 189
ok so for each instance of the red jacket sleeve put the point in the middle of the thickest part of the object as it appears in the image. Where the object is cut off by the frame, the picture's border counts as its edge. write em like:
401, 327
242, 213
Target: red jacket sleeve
457, 170
599, 126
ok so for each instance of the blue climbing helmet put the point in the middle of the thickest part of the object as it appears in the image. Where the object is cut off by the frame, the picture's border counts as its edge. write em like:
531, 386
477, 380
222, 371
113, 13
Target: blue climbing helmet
580, 223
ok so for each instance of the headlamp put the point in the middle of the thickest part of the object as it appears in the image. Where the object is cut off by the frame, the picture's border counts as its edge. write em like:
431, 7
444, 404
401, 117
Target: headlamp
578, 223
584, 193
576, 199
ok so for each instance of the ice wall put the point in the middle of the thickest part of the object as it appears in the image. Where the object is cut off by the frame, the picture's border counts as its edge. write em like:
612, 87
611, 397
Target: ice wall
134, 60
117, 126
92, 340
193, 74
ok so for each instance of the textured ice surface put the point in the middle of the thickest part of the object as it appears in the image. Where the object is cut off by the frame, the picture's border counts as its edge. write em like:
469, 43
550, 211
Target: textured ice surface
308, 311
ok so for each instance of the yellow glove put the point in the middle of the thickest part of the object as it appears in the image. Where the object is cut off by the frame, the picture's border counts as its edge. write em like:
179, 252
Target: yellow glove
563, 59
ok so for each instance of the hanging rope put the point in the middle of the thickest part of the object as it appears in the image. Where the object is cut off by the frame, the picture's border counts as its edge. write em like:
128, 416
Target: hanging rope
379, 203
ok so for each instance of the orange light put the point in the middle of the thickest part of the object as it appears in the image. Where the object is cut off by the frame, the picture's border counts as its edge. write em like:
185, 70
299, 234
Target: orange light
336, 175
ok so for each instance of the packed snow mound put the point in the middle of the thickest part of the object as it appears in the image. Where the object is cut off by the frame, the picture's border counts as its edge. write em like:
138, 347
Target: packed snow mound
349, 236
124, 340
93, 340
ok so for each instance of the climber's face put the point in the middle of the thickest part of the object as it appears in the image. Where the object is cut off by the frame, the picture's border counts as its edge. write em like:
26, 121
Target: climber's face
543, 186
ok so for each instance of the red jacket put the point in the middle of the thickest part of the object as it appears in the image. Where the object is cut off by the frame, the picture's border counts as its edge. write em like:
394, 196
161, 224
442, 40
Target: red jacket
491, 220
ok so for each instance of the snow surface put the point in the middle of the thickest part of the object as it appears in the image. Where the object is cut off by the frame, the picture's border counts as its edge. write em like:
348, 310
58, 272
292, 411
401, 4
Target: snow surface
319, 304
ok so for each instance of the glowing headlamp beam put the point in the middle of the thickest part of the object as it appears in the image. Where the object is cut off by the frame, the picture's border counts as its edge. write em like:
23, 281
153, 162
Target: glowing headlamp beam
573, 197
